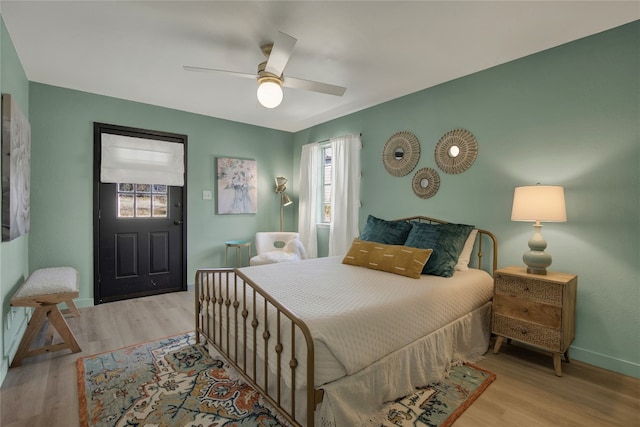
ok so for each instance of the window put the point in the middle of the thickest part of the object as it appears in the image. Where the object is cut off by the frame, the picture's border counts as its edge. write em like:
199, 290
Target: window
325, 216
142, 200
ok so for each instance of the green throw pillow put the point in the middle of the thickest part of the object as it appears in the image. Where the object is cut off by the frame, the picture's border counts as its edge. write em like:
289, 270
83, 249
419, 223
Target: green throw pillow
386, 232
446, 240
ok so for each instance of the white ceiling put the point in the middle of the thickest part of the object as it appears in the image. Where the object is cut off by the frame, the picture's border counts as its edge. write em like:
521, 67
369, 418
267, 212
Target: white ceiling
379, 50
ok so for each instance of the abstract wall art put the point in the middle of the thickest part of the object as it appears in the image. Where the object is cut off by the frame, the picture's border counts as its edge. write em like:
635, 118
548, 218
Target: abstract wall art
16, 170
237, 186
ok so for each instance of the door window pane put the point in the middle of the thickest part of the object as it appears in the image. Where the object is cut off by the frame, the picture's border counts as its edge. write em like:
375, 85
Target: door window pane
142, 200
125, 205
159, 206
143, 206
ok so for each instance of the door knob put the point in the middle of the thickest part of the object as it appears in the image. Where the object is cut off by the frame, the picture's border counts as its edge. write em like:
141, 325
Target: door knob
178, 222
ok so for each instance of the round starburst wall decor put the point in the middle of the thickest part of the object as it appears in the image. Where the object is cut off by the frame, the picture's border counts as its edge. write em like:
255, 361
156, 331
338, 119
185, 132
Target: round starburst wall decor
401, 153
426, 183
456, 151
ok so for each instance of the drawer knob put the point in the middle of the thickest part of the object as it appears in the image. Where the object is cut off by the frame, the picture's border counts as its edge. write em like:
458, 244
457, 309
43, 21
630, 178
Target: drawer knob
526, 289
526, 310
524, 332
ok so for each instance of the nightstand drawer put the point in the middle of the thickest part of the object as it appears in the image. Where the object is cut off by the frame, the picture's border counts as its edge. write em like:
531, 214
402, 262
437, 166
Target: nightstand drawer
528, 332
529, 311
529, 288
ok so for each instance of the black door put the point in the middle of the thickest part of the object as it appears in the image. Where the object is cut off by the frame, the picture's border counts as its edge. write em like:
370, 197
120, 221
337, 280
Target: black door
139, 231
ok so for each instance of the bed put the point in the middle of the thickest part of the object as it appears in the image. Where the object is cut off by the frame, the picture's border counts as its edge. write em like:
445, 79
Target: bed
327, 343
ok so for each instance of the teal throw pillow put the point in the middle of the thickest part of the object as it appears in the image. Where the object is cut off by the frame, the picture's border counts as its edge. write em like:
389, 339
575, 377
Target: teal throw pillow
446, 240
423, 235
385, 232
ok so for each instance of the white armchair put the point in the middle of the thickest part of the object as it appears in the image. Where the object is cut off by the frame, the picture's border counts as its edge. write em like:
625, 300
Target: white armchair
272, 247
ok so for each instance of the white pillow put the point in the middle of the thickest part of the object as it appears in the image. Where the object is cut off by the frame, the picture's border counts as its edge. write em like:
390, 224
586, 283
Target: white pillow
273, 257
293, 250
465, 255
295, 246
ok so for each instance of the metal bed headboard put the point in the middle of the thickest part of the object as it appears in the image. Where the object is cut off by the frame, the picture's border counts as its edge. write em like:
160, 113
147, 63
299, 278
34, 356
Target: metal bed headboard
482, 236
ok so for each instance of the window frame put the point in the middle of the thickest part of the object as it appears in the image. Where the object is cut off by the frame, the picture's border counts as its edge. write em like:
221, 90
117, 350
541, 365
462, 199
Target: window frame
322, 217
153, 192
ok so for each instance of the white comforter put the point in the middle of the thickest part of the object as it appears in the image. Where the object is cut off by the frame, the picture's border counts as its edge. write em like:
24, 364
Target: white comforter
357, 316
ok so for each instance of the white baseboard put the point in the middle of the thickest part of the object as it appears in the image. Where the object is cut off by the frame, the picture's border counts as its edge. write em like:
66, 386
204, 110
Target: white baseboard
604, 361
13, 337
83, 302
19, 321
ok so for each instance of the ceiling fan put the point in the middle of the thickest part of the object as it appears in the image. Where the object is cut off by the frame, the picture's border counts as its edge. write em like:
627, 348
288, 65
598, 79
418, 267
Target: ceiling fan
270, 73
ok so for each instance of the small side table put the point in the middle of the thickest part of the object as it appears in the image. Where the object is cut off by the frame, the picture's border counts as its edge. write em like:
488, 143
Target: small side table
538, 310
238, 245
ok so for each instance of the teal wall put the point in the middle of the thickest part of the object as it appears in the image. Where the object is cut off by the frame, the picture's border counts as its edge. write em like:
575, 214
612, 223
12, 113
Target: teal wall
62, 187
14, 256
62, 171
567, 116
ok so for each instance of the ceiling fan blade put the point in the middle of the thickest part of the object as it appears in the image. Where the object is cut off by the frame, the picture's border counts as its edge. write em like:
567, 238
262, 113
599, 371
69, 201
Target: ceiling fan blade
280, 53
213, 70
294, 83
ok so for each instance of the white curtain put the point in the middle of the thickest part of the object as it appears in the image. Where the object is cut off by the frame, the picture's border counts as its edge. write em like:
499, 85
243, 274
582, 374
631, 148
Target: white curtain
308, 198
345, 192
141, 161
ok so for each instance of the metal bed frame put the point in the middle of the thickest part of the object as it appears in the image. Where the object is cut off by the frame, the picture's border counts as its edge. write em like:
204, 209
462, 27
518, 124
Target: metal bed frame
232, 314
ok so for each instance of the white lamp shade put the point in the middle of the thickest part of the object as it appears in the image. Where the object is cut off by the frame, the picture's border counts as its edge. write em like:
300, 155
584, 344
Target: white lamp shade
286, 200
543, 203
269, 94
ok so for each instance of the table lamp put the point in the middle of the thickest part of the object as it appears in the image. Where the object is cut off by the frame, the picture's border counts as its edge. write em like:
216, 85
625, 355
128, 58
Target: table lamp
538, 203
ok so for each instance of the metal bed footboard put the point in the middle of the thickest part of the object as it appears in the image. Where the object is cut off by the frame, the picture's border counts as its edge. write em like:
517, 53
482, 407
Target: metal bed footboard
233, 314
248, 327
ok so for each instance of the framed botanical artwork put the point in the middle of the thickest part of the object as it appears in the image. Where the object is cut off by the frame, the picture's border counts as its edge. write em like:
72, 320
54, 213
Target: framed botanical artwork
237, 186
16, 170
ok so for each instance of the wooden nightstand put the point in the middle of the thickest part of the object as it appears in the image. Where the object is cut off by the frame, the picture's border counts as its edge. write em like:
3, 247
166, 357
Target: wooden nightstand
539, 310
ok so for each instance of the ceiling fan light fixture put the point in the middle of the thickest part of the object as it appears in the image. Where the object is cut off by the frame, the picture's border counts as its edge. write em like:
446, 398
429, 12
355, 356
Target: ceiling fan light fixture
269, 92
271, 73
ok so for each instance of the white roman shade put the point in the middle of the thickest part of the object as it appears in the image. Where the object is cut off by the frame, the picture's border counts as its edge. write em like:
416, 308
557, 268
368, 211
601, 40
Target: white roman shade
141, 161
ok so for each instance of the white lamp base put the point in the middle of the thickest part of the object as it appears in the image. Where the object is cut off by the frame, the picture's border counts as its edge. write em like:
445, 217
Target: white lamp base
536, 258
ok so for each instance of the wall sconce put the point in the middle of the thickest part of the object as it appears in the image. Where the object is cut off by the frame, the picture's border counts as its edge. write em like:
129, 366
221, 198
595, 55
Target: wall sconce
538, 203
281, 186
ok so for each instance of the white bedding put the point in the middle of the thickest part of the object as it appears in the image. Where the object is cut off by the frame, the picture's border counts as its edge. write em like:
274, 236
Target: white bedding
358, 316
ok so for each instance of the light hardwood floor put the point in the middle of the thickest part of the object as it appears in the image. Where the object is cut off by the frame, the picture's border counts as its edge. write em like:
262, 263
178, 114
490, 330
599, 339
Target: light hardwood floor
43, 392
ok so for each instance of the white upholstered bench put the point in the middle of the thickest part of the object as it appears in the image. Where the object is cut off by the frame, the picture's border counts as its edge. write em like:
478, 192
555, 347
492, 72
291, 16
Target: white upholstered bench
44, 289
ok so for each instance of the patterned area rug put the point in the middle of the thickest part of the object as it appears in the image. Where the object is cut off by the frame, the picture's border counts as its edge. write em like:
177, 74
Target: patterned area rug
173, 382
169, 382
439, 405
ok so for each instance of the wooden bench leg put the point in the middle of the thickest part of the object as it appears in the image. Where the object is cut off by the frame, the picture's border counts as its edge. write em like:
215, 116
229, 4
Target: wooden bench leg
71, 308
57, 320
48, 340
37, 319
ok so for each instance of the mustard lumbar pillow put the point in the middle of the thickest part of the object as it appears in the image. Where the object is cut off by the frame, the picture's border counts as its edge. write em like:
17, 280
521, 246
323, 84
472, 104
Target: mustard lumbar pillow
397, 259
